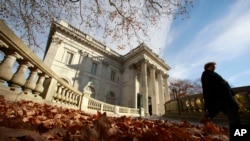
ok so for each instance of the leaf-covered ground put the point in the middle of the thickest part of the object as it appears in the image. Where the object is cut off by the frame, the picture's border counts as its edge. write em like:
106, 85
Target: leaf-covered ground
29, 121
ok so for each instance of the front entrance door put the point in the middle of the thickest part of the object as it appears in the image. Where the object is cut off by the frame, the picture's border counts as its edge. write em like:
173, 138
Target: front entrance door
150, 105
139, 101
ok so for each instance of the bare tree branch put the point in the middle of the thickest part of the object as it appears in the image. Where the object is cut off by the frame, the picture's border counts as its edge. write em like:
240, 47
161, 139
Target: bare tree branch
120, 20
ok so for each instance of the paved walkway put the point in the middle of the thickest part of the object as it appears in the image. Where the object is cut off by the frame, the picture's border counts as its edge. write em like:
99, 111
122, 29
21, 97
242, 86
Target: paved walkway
176, 120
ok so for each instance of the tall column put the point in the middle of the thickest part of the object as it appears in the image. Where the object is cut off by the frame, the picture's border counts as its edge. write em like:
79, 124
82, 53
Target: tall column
132, 88
166, 93
161, 94
154, 95
144, 85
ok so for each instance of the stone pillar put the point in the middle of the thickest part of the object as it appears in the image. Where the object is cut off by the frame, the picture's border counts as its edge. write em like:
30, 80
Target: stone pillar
50, 93
166, 93
132, 88
144, 86
58, 94
154, 95
161, 94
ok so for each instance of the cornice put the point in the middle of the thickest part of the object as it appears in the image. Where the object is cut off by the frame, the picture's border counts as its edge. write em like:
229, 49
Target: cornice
86, 39
143, 48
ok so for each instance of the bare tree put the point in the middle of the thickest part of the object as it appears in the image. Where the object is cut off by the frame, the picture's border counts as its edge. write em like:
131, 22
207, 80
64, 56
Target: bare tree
117, 20
197, 87
182, 87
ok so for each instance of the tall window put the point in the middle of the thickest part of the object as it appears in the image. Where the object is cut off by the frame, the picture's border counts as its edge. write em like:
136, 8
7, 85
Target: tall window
68, 57
93, 68
113, 75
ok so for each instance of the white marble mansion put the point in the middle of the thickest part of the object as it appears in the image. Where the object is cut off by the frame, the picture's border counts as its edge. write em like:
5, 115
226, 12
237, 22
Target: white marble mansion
137, 79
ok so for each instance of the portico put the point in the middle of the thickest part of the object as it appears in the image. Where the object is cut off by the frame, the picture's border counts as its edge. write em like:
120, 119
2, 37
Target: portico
152, 86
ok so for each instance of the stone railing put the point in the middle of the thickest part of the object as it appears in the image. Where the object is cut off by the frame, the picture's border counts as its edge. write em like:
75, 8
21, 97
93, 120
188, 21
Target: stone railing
192, 106
24, 76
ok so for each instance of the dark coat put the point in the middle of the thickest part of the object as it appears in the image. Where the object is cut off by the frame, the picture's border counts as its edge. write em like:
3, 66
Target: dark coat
217, 93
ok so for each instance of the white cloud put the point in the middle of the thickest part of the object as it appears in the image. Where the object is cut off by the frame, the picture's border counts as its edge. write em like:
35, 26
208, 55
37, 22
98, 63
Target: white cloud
220, 41
240, 76
159, 36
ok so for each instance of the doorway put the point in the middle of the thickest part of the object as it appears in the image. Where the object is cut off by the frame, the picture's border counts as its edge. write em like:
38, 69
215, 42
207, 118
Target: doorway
150, 105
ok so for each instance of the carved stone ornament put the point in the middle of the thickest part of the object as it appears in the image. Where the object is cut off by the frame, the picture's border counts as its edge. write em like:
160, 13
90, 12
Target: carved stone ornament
56, 40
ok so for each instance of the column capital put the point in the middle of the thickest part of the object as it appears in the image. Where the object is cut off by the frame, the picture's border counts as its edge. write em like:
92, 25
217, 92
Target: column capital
56, 40
159, 72
165, 76
152, 66
143, 60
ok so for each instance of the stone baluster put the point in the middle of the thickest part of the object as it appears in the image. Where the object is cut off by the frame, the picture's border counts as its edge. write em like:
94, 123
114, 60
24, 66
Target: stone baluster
63, 94
6, 67
188, 105
18, 80
39, 86
71, 97
193, 104
199, 103
76, 99
30, 84
58, 92
55, 95
67, 99
67, 96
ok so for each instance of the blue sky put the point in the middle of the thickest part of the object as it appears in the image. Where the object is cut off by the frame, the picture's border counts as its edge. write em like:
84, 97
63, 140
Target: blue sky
217, 31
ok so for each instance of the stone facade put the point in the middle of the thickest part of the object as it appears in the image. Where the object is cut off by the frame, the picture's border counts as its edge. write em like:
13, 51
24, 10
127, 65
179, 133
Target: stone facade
137, 79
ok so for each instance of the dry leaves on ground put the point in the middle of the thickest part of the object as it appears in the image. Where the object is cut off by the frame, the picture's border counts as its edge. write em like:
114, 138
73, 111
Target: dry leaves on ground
29, 121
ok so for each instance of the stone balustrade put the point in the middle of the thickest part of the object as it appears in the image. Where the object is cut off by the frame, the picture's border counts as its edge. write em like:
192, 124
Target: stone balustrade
24, 76
192, 106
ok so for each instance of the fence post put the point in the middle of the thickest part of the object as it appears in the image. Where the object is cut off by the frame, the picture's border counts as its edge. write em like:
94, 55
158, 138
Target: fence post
84, 103
50, 85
